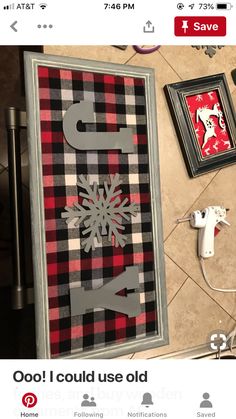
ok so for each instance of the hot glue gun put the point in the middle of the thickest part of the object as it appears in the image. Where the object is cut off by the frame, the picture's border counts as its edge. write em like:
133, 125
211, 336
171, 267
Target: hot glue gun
206, 220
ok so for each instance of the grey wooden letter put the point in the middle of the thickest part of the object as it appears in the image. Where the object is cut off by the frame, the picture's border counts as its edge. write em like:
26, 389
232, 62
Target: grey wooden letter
105, 296
83, 111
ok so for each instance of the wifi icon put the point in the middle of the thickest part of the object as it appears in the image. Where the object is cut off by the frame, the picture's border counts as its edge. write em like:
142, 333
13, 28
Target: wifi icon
43, 6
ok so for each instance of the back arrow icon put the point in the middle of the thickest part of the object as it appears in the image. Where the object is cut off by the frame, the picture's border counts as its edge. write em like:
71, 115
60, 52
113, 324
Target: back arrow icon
12, 26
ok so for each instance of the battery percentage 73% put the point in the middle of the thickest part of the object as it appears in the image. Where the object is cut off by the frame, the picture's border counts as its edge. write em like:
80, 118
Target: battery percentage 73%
206, 6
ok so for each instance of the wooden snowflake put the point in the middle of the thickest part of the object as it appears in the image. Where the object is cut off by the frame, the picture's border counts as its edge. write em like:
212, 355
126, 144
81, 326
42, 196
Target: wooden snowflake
101, 213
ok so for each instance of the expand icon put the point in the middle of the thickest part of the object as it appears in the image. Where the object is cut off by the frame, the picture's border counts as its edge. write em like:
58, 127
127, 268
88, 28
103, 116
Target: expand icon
217, 340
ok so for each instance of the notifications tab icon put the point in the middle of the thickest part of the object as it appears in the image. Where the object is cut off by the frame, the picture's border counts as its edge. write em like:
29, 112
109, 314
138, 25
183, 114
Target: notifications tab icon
200, 26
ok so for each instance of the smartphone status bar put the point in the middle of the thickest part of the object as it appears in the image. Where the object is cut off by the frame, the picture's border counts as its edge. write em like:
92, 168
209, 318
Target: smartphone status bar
124, 22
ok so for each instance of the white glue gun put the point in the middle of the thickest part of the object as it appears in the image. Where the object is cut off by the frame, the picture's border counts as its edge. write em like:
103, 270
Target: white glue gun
206, 220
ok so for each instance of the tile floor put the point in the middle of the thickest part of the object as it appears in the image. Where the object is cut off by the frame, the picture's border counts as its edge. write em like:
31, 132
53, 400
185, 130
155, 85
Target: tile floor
193, 309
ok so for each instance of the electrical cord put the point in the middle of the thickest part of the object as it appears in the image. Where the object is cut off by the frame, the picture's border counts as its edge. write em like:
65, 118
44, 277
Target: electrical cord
205, 276
231, 338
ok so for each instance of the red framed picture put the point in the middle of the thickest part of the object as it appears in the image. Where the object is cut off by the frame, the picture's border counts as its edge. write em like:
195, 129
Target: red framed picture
204, 119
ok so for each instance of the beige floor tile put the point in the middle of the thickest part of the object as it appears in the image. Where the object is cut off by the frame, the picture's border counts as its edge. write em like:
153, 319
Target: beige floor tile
100, 53
234, 97
192, 63
192, 316
221, 269
178, 190
175, 278
129, 356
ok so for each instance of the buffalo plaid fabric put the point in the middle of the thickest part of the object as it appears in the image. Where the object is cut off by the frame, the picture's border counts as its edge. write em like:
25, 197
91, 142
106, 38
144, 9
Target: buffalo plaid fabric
119, 102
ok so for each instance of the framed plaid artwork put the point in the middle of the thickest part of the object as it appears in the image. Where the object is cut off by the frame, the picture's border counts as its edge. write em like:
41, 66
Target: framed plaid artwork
96, 209
204, 118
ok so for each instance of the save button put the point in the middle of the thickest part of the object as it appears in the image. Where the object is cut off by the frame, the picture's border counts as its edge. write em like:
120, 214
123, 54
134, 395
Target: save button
200, 26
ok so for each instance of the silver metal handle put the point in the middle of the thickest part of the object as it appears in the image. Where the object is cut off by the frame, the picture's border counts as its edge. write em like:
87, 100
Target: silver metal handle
14, 120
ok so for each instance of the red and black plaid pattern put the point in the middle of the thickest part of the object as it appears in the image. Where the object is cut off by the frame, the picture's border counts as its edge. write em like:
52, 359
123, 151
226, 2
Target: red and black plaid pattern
119, 102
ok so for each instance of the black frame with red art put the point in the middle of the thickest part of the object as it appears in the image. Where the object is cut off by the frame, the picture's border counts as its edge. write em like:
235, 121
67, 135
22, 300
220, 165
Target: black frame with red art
205, 122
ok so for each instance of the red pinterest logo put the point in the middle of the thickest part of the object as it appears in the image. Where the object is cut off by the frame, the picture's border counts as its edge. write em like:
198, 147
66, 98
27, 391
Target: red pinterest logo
29, 400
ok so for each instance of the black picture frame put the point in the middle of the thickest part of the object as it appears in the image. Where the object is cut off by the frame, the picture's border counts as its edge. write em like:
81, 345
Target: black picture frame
176, 94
